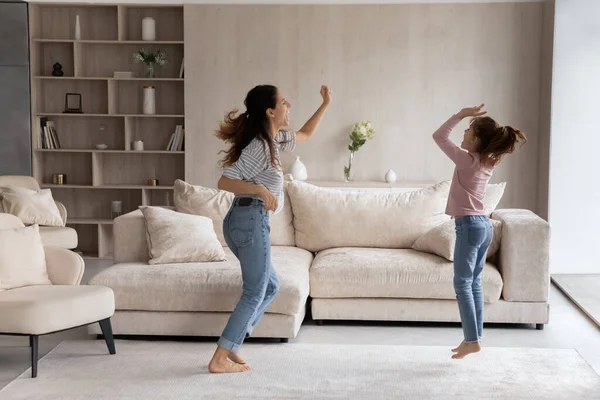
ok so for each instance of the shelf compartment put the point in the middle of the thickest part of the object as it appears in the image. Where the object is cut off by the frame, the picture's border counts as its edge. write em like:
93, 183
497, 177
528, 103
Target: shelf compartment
105, 241
45, 55
76, 166
155, 133
87, 237
126, 97
83, 134
51, 96
97, 22
89, 206
160, 197
168, 21
137, 168
103, 59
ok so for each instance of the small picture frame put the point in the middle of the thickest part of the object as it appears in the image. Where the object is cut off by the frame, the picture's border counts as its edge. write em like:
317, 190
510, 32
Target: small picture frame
73, 103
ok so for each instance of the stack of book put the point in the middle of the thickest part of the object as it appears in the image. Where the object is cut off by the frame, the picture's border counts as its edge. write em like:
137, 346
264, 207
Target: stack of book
48, 135
177, 142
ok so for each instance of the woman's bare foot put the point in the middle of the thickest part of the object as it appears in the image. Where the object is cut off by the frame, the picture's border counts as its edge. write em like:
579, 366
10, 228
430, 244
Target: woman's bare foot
236, 358
466, 349
221, 364
455, 350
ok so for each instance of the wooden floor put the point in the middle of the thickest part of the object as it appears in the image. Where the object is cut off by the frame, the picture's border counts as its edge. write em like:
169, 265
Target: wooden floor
583, 290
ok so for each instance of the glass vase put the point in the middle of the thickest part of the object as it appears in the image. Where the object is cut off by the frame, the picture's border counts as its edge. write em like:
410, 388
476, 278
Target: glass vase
150, 70
348, 176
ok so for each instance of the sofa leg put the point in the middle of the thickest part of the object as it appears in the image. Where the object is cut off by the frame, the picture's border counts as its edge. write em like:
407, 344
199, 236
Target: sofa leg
284, 340
108, 335
539, 327
319, 322
33, 343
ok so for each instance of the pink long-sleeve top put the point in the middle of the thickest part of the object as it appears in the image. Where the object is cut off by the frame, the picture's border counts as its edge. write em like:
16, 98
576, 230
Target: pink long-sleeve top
470, 178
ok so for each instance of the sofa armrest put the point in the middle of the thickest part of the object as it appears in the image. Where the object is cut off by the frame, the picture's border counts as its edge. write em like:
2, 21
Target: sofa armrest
524, 255
64, 266
129, 238
62, 210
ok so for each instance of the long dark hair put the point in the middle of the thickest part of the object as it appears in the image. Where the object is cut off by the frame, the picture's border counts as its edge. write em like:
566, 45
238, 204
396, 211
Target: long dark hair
240, 130
494, 140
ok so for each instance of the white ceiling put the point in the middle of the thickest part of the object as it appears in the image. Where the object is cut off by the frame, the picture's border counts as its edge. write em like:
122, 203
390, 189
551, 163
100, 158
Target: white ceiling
283, 1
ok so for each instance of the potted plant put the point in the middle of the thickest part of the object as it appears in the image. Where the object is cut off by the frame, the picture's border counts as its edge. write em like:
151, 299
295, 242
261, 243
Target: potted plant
361, 132
150, 59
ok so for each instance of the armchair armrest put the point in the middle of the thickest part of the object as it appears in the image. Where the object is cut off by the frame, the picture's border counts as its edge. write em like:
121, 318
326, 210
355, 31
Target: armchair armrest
64, 266
524, 255
63, 211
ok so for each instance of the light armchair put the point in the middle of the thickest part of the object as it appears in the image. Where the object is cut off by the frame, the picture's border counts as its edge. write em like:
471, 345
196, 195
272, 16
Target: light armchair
43, 309
59, 236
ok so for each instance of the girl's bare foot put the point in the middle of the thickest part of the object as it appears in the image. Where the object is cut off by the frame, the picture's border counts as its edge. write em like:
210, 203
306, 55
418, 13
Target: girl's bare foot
455, 350
466, 349
236, 358
221, 364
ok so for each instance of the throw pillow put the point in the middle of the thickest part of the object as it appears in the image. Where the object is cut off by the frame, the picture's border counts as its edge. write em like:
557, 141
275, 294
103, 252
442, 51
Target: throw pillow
31, 206
22, 258
493, 195
214, 204
175, 237
442, 239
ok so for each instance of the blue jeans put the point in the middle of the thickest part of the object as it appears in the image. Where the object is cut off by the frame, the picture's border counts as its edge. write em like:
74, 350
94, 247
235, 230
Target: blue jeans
473, 238
246, 230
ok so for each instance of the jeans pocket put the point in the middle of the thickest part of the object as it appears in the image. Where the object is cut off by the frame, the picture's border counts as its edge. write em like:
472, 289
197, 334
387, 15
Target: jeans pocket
477, 234
241, 230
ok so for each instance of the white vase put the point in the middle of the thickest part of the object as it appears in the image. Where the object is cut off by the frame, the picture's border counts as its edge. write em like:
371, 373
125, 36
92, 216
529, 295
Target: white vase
77, 28
390, 176
148, 29
298, 170
138, 145
149, 107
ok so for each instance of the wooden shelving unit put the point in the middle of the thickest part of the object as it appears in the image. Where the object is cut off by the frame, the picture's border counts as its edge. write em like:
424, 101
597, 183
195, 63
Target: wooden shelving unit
112, 111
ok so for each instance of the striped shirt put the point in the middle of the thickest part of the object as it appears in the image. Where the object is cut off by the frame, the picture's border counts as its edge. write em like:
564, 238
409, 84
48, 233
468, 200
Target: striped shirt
254, 165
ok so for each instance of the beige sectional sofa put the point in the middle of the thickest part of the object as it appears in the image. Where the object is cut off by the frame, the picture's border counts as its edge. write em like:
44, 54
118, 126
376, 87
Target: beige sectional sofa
349, 250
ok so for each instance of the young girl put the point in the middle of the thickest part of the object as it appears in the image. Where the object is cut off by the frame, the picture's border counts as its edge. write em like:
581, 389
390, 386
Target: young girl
252, 171
484, 144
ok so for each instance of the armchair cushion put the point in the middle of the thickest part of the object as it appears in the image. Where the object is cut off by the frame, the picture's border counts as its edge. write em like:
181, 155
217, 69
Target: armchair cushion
37, 310
31, 206
22, 258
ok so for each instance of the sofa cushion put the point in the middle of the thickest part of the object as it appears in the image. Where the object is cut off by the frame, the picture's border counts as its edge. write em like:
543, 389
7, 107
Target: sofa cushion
213, 287
390, 273
327, 218
43, 309
215, 204
59, 236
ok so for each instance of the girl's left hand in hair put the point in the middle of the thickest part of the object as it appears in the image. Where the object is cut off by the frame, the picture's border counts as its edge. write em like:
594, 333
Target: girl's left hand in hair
326, 94
472, 111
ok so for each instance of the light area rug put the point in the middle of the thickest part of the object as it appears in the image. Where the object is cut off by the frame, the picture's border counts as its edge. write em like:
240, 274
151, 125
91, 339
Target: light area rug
83, 370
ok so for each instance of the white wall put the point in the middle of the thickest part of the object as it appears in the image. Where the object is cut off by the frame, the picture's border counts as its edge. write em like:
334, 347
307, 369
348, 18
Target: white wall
574, 195
405, 67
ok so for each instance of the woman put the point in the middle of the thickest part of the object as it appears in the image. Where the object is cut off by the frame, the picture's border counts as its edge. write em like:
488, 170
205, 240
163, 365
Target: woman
252, 171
